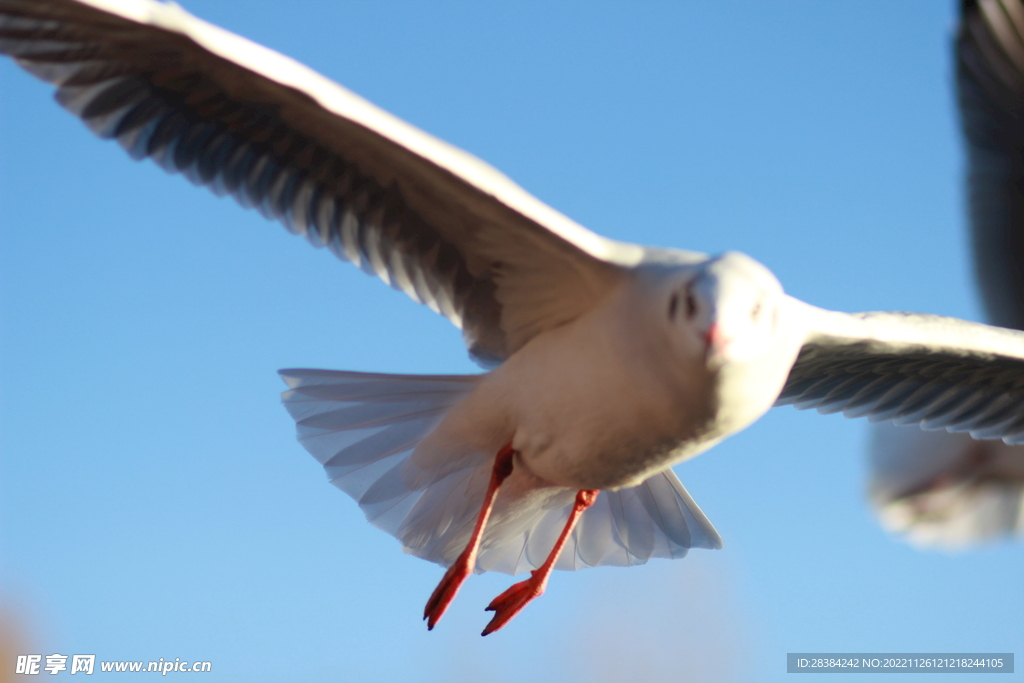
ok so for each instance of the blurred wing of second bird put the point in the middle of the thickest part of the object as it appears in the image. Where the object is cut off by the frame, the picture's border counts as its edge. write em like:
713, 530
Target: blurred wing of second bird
934, 488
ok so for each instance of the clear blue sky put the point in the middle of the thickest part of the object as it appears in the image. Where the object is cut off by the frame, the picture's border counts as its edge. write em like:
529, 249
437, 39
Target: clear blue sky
154, 502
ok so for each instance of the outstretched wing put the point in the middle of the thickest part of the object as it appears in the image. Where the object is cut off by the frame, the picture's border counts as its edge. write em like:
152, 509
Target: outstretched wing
935, 372
425, 217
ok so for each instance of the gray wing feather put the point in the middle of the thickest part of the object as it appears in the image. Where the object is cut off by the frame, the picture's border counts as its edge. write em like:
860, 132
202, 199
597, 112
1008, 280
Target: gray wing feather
926, 370
427, 219
935, 388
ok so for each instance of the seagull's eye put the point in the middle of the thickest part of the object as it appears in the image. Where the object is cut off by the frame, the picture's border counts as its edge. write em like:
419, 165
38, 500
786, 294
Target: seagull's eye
691, 306
673, 304
755, 313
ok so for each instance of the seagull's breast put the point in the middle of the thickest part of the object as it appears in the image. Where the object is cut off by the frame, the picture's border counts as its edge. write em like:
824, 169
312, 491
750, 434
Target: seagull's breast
605, 401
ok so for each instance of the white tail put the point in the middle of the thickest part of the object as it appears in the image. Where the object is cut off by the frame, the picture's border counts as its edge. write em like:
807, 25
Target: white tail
363, 427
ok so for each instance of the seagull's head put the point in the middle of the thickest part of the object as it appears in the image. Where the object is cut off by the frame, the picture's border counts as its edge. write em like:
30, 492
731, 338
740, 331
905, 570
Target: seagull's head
727, 310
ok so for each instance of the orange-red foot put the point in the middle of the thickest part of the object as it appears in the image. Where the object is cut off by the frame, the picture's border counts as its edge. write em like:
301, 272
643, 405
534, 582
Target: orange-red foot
512, 601
445, 591
457, 573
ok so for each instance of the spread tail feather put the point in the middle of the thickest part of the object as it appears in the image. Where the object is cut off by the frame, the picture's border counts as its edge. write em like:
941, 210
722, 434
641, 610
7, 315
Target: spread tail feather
656, 518
363, 427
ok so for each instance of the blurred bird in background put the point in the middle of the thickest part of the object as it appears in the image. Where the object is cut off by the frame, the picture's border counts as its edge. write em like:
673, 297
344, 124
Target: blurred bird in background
942, 489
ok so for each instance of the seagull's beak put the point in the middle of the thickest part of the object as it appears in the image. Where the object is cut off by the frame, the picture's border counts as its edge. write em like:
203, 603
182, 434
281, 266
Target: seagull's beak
715, 343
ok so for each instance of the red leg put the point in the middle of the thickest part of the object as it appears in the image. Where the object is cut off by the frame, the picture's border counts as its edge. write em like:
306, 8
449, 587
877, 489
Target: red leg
512, 601
457, 573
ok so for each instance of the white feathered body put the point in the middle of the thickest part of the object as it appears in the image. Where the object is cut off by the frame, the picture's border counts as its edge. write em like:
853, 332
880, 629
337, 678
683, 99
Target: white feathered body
603, 402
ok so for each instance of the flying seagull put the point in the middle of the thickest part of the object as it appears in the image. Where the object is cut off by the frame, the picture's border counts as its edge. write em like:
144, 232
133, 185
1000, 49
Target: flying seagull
949, 490
608, 362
